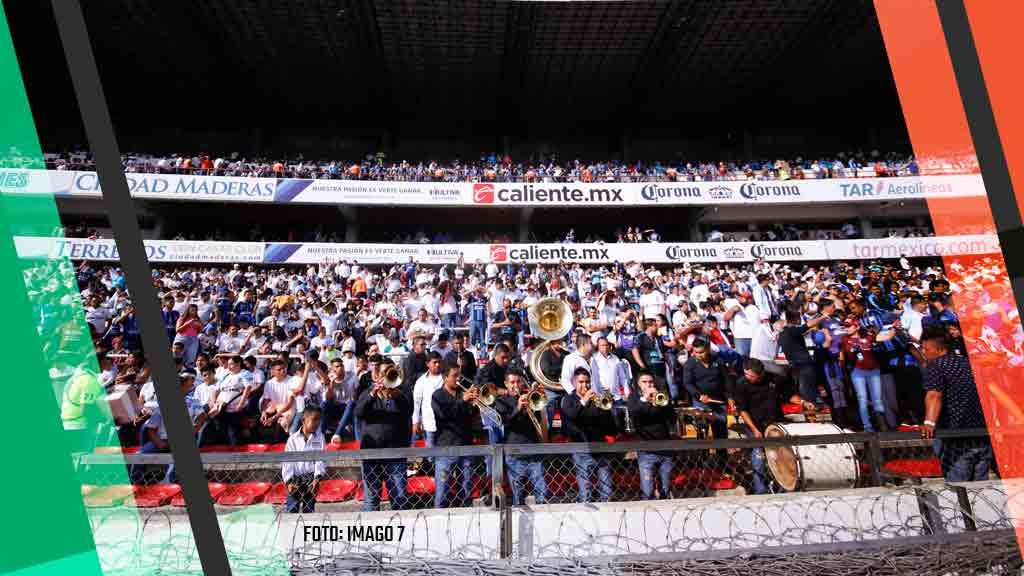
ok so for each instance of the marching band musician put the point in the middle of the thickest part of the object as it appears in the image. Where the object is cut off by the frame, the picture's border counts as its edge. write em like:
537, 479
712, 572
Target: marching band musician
462, 357
386, 414
584, 421
454, 412
521, 429
652, 422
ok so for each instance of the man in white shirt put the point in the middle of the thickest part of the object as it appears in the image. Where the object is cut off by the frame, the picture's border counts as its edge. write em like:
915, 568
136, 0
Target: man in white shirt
231, 342
652, 302
912, 319
232, 396
423, 422
609, 373
277, 406
422, 326
303, 477
743, 318
578, 359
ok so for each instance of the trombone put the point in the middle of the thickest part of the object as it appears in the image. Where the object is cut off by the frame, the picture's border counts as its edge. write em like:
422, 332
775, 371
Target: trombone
484, 401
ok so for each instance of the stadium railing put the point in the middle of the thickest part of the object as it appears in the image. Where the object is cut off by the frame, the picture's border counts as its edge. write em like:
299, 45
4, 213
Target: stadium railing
252, 474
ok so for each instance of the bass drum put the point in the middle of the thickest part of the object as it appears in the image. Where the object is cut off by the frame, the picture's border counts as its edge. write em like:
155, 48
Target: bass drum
811, 466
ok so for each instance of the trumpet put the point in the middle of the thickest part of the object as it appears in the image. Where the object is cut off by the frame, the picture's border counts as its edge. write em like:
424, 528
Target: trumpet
605, 401
660, 399
392, 380
537, 401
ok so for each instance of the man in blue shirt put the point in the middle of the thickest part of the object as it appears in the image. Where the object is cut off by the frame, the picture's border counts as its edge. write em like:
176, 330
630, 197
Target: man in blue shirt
170, 317
477, 305
410, 273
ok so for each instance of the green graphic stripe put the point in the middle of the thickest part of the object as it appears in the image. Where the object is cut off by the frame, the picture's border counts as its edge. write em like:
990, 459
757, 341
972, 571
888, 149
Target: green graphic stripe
61, 409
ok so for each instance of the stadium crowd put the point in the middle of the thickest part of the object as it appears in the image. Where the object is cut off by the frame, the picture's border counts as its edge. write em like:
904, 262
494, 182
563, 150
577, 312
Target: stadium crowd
503, 168
264, 346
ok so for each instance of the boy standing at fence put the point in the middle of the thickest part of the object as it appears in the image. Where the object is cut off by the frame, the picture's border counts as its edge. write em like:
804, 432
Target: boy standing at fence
302, 478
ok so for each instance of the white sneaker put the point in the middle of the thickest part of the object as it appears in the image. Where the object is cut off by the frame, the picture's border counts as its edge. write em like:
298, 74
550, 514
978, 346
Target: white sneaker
335, 439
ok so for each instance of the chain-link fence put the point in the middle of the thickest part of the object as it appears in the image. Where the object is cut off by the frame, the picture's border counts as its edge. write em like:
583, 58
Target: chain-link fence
789, 458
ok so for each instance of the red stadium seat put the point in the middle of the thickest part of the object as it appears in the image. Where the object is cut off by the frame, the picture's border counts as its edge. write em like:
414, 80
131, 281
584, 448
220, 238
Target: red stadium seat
383, 492
907, 428
213, 448
420, 443
343, 446
252, 448
626, 480
216, 489
789, 408
722, 484
420, 485
276, 447
560, 439
244, 494
560, 483
699, 478
336, 490
155, 495
278, 494
914, 468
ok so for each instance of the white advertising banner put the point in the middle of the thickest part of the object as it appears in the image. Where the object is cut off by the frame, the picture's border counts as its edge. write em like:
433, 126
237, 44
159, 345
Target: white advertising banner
156, 250
935, 247
553, 194
149, 186
660, 253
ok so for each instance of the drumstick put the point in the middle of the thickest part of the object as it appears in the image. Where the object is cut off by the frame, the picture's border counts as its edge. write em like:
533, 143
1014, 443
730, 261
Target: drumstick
713, 401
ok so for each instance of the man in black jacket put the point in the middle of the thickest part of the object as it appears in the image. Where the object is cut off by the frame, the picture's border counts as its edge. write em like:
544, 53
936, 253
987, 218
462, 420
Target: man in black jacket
707, 380
584, 421
758, 404
519, 429
460, 356
454, 412
415, 363
652, 423
386, 416
494, 373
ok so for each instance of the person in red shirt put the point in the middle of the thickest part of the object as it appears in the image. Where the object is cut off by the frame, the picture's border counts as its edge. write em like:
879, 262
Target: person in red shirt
866, 375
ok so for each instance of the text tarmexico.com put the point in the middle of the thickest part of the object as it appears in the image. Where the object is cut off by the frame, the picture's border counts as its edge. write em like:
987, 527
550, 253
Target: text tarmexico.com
491, 194
925, 249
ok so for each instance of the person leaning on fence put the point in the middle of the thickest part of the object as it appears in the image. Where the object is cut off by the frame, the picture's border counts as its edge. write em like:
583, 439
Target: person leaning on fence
302, 477
584, 421
653, 423
386, 417
707, 380
952, 403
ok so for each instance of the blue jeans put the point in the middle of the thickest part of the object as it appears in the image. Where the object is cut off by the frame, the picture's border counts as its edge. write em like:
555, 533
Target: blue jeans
760, 482
477, 333
303, 499
191, 349
357, 426
651, 462
392, 473
449, 320
331, 410
743, 347
137, 471
719, 426
965, 459
494, 436
585, 465
865, 382
521, 467
834, 375
446, 468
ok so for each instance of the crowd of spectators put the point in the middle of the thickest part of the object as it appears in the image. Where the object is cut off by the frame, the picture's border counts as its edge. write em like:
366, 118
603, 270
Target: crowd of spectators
503, 168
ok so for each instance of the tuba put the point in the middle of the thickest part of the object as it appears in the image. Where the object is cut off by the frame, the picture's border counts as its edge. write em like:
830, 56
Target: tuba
550, 319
